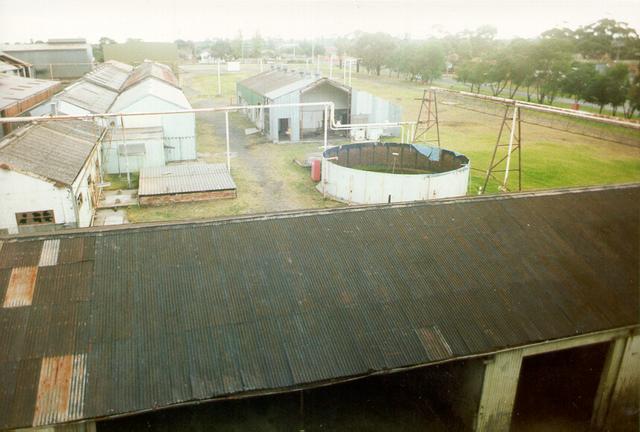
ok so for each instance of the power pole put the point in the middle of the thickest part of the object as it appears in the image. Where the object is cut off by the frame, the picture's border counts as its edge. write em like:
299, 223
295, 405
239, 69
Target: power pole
427, 117
511, 121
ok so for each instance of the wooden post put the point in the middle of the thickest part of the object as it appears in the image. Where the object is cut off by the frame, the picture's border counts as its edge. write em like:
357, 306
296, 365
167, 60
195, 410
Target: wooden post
623, 383
607, 382
499, 392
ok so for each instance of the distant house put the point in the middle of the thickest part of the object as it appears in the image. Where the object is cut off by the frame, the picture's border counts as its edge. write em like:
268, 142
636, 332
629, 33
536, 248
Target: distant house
282, 86
19, 95
147, 141
56, 59
48, 176
136, 52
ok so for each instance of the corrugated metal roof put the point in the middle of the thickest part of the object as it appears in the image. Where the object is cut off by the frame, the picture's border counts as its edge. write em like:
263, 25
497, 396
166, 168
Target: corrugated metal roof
11, 48
167, 314
107, 75
55, 150
151, 133
173, 179
151, 70
14, 89
124, 66
271, 80
275, 83
92, 97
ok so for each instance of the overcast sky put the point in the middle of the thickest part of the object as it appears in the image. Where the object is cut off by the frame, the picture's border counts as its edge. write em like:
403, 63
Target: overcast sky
167, 20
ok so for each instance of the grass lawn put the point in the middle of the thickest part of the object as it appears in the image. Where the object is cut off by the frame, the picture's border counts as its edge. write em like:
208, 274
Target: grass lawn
268, 180
550, 158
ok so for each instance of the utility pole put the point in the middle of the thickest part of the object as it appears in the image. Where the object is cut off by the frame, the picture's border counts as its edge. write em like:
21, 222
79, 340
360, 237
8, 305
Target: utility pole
219, 83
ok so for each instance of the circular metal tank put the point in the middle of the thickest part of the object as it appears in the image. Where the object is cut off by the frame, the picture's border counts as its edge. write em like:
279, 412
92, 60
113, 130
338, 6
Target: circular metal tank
374, 173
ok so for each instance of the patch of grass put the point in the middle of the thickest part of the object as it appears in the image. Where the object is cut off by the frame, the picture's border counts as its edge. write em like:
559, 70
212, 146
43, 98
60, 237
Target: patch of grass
119, 181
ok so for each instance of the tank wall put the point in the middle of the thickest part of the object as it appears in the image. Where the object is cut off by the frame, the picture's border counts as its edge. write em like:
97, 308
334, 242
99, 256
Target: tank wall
367, 187
359, 186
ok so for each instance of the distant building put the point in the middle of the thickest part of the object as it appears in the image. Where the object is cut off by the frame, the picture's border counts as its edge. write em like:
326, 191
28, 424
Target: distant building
56, 59
136, 52
147, 141
48, 176
282, 86
20, 95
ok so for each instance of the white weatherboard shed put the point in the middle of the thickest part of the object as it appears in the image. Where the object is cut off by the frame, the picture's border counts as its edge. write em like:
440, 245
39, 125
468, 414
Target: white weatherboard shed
48, 176
156, 95
112, 87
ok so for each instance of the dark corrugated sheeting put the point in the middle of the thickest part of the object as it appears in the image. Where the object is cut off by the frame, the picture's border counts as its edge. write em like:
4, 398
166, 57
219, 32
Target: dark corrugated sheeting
174, 313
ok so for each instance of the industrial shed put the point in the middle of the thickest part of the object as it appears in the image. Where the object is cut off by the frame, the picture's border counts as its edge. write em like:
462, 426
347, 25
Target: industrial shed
147, 317
20, 95
150, 94
48, 176
150, 87
57, 59
282, 86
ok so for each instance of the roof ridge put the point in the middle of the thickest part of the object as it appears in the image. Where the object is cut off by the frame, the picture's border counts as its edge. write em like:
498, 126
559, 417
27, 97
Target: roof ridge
286, 214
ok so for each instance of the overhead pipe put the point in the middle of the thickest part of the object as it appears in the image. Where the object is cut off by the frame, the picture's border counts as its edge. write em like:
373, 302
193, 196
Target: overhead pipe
542, 108
333, 124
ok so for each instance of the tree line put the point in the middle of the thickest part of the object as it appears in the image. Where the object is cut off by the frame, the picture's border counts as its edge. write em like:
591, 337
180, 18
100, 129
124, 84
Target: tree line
597, 63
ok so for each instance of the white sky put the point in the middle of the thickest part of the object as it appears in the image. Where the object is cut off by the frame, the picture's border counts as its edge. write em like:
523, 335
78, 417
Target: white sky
167, 20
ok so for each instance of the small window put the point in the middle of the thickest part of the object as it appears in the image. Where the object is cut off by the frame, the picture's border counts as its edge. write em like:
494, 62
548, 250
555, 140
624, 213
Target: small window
35, 217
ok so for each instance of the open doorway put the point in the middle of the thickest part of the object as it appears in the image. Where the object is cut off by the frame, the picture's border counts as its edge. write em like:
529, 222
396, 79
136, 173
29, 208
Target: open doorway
283, 129
556, 391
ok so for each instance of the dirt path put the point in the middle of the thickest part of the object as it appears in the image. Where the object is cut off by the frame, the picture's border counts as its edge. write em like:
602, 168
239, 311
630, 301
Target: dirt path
251, 154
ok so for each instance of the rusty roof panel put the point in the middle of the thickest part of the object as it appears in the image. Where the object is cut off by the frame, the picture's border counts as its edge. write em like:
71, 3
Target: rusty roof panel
150, 69
169, 314
20, 288
60, 390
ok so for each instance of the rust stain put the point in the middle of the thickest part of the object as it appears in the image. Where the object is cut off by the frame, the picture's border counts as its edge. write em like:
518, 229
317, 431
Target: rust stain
21, 285
60, 389
434, 342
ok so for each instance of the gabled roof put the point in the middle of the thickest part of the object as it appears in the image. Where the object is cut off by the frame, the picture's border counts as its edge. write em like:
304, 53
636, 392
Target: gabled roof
151, 87
107, 75
145, 317
55, 151
151, 70
89, 96
275, 83
271, 80
124, 66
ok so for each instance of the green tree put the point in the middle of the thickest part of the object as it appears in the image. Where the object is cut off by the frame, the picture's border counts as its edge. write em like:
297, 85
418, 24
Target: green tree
609, 88
374, 50
633, 96
607, 38
552, 61
577, 80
